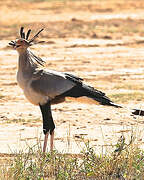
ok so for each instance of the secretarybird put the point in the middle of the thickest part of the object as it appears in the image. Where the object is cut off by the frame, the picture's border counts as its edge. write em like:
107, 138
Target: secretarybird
45, 87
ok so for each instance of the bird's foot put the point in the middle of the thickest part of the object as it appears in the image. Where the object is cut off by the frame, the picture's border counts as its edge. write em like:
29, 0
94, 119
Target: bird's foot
45, 141
51, 141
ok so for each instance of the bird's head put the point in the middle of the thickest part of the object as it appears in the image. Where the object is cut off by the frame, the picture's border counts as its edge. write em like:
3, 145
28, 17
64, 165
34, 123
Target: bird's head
20, 44
23, 42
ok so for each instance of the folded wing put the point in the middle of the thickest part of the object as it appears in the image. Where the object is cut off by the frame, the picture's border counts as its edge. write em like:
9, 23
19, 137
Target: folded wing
60, 85
50, 83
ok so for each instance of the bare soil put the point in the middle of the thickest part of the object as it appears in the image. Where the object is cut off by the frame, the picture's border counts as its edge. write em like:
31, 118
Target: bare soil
100, 41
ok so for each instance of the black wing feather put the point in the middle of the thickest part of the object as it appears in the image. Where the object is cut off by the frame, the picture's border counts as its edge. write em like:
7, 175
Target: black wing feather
81, 89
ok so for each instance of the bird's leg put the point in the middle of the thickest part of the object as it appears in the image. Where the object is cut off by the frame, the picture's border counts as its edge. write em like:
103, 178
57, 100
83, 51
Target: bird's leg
48, 124
45, 141
52, 141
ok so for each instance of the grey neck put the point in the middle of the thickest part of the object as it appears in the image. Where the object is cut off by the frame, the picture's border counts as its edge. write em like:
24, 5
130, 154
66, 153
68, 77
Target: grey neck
25, 62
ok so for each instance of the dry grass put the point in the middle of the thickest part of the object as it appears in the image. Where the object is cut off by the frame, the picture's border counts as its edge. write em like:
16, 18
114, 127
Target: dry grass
125, 162
126, 97
130, 86
98, 28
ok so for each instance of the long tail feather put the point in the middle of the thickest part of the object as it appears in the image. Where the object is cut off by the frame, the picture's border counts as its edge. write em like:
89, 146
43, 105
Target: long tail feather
99, 96
138, 112
87, 94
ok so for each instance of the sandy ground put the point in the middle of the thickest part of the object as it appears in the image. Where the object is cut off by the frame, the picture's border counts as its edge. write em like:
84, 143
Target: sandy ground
99, 41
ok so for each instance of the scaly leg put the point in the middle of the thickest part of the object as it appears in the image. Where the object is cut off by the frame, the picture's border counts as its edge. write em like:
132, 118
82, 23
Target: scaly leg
45, 141
48, 124
52, 141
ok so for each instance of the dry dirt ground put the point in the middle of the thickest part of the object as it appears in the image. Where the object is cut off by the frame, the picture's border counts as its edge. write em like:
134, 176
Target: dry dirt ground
101, 41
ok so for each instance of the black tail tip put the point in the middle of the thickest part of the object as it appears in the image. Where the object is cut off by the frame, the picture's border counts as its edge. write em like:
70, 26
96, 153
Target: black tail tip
138, 112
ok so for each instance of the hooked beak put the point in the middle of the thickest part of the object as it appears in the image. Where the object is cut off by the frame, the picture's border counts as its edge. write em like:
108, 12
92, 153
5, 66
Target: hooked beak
13, 44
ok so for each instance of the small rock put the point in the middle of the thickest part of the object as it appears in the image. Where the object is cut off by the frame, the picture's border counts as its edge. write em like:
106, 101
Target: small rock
107, 119
107, 37
73, 19
94, 35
